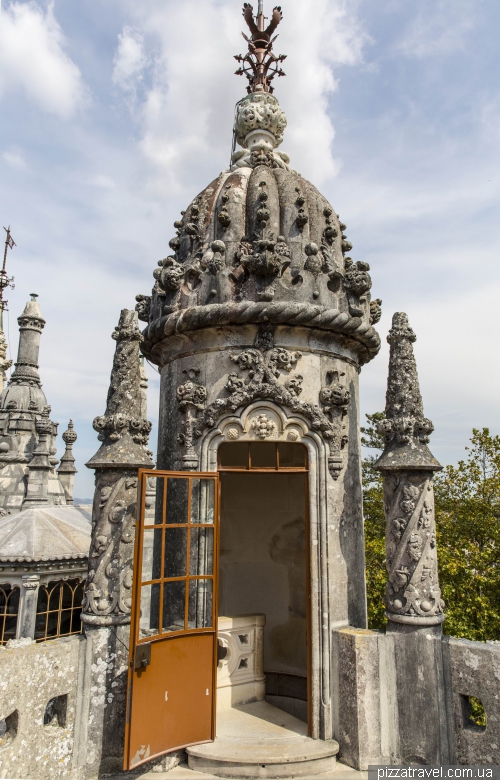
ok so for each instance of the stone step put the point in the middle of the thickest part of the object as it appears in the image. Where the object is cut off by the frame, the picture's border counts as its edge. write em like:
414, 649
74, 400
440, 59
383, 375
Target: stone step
261, 741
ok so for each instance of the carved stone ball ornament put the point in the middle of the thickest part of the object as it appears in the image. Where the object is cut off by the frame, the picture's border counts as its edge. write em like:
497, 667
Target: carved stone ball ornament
261, 117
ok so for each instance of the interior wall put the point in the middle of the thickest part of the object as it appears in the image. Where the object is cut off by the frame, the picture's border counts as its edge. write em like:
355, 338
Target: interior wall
263, 564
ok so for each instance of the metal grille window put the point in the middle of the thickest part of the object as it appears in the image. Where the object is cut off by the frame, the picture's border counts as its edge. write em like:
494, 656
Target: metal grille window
9, 611
58, 609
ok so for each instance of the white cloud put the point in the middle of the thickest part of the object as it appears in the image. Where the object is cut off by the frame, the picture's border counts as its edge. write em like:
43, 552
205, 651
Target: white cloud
14, 158
186, 112
130, 59
32, 58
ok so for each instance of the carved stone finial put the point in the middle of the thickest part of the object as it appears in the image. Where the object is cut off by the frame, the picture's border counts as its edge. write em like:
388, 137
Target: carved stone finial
123, 429
405, 429
66, 471
37, 491
412, 593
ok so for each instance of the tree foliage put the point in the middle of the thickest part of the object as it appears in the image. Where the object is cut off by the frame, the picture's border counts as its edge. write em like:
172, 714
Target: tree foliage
468, 535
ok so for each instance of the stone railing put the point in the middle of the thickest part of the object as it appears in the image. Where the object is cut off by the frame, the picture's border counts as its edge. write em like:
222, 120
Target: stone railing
240, 676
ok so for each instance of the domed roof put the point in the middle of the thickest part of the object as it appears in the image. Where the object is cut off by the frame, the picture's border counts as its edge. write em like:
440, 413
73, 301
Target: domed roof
261, 244
45, 533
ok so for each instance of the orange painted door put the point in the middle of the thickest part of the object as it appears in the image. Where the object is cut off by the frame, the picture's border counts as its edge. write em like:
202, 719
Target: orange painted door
172, 664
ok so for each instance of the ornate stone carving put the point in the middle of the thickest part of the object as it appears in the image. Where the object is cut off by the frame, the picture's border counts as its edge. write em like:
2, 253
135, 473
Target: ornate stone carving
263, 426
375, 311
213, 260
357, 282
143, 307
412, 593
223, 216
191, 397
124, 432
264, 375
405, 424
335, 400
302, 218
267, 259
330, 233
258, 112
168, 276
107, 598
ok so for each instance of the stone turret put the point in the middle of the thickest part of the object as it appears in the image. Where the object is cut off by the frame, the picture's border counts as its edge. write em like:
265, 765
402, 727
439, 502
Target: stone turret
412, 595
22, 404
39, 468
66, 471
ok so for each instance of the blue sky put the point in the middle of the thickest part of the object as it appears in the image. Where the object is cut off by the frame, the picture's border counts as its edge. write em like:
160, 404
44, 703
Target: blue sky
114, 115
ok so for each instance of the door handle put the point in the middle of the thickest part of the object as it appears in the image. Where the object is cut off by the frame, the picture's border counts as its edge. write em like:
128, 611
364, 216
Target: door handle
142, 657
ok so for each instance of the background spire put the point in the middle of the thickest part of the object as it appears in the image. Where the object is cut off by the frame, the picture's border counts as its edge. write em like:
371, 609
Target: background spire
260, 65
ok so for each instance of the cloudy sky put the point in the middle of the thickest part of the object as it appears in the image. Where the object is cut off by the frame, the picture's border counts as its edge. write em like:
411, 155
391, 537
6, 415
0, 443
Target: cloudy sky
115, 114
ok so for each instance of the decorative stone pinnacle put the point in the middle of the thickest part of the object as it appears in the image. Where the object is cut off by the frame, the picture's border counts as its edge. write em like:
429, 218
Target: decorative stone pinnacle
69, 436
259, 64
123, 429
405, 430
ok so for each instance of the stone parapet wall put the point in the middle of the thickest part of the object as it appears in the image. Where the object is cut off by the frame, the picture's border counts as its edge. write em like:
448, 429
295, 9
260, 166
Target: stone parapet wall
474, 670
31, 676
403, 697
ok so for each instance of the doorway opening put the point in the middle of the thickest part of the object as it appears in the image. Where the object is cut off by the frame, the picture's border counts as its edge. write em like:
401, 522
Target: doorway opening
264, 570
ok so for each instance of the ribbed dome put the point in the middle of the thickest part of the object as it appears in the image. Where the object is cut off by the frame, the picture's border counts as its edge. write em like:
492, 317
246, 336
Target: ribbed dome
260, 234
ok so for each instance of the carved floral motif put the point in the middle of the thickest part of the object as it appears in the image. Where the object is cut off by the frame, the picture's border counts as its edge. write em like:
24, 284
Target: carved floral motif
263, 426
264, 371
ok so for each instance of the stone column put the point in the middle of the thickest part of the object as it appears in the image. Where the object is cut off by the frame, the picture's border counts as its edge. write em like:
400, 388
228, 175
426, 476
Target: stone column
124, 433
27, 606
66, 471
39, 466
414, 607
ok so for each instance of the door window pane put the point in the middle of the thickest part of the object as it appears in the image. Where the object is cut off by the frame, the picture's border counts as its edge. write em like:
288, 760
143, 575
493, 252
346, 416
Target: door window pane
234, 455
175, 552
202, 551
263, 455
150, 611
174, 599
202, 501
200, 604
292, 455
177, 500
151, 554
153, 503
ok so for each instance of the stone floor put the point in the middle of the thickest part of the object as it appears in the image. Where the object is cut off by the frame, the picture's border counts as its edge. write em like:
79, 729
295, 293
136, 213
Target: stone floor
341, 772
261, 730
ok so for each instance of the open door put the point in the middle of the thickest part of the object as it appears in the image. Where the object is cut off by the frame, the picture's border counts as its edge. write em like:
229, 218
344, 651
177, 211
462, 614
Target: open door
173, 641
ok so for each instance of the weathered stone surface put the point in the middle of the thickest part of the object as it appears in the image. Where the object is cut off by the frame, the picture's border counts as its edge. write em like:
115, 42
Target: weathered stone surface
31, 676
67, 470
474, 670
357, 680
412, 593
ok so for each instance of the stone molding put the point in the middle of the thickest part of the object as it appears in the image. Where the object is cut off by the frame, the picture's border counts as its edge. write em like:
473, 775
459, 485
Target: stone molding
279, 313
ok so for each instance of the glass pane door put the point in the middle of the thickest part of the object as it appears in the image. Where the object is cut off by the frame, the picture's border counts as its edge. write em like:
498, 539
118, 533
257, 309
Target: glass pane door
174, 597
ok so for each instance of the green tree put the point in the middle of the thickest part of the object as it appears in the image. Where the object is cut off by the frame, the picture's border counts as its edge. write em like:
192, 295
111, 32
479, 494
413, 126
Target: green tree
373, 509
468, 534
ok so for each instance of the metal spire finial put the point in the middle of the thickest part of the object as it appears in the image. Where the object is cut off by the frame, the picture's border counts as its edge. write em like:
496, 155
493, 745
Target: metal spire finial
5, 281
260, 65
